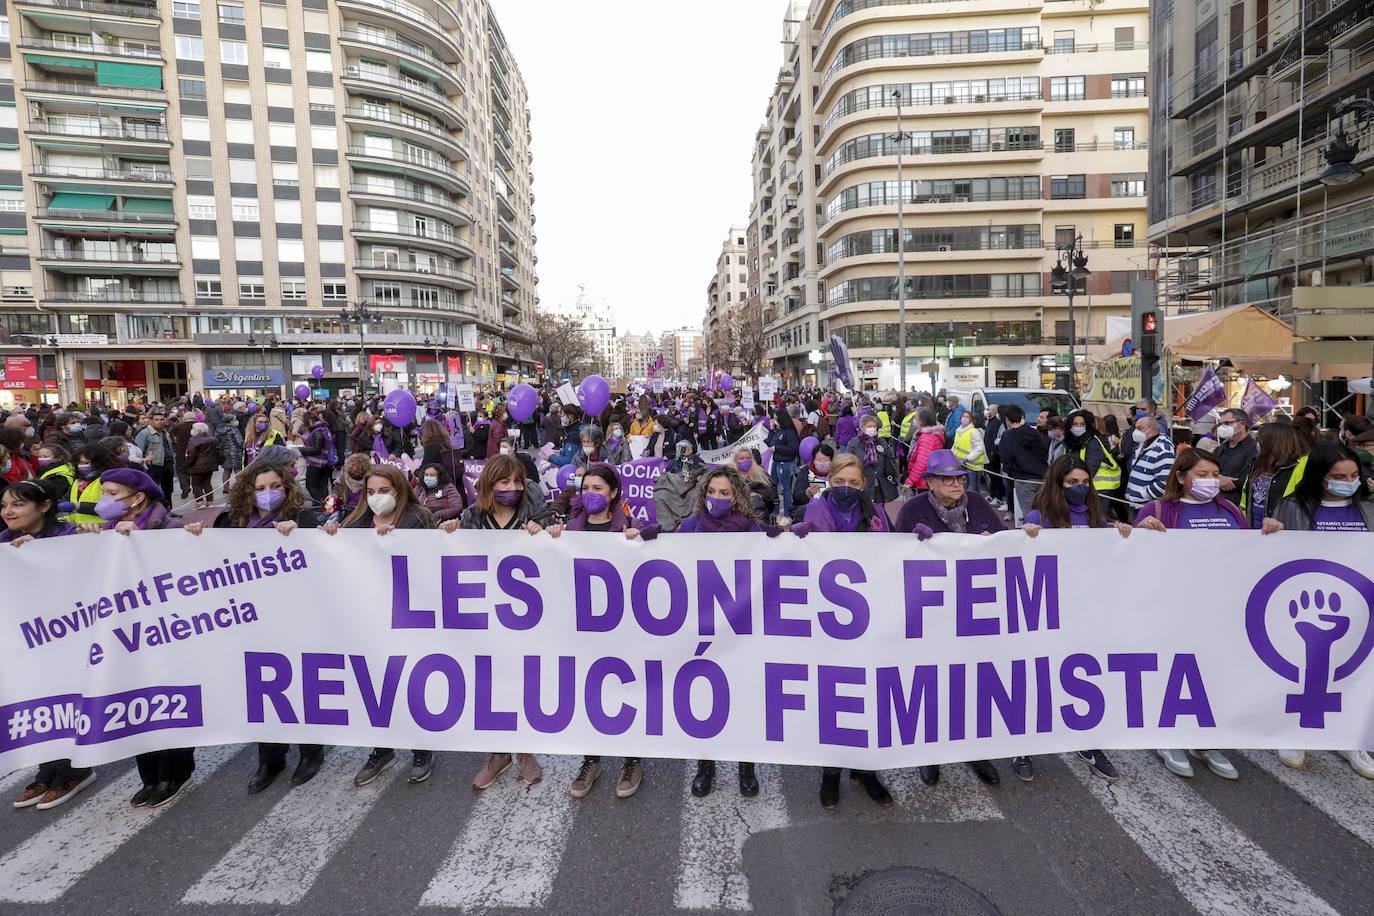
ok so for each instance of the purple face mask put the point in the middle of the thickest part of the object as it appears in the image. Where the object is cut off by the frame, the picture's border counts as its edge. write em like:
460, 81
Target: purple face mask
509, 497
595, 503
719, 507
744, 464
269, 500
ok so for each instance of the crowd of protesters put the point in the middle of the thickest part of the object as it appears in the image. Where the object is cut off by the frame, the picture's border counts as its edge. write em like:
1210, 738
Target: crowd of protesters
828, 463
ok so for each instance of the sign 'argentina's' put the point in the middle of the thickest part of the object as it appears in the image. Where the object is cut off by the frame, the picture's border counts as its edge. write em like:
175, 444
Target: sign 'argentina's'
872, 651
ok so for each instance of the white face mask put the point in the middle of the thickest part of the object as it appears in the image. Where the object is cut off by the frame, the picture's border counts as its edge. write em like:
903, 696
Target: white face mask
1225, 431
1139, 435
376, 427
432, 482
870, 431
588, 449
381, 503
1079, 430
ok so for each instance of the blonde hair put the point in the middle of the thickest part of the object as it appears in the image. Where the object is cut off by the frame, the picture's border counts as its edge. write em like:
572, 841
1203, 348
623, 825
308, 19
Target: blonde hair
845, 460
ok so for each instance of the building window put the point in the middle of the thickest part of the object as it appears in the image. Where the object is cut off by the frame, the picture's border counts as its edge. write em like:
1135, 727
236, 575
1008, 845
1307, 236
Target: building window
276, 58
252, 289
1123, 138
1128, 87
236, 52
1063, 140
201, 207
183, 9
231, 13
1064, 236
1124, 234
1066, 88
1069, 187
189, 48
1063, 42
1125, 39
293, 289
245, 209
1134, 187
191, 89
209, 289
334, 291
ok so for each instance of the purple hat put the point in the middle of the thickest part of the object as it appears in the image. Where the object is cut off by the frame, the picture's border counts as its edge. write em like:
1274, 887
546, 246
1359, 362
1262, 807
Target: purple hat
135, 480
944, 463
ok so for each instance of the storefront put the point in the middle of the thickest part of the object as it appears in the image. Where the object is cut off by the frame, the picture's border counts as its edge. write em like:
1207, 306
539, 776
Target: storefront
240, 381
115, 383
20, 382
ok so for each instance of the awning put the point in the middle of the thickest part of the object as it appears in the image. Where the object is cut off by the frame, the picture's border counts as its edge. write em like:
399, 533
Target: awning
69, 201
1254, 341
45, 61
116, 74
147, 205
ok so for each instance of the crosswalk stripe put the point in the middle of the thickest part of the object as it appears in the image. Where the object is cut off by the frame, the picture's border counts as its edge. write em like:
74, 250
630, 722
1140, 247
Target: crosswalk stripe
45, 866
1212, 863
512, 845
714, 831
1329, 784
278, 860
959, 796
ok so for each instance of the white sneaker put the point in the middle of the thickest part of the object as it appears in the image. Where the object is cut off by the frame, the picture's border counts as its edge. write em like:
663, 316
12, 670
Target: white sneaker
1176, 761
1292, 759
1216, 762
1360, 762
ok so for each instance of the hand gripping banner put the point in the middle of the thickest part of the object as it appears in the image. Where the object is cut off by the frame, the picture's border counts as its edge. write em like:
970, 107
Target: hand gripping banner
873, 651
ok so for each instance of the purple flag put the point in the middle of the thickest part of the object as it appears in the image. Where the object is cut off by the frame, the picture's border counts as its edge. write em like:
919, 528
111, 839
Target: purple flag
1257, 403
1207, 394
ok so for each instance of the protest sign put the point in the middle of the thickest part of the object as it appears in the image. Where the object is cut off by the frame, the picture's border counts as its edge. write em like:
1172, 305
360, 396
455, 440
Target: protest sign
467, 402
755, 438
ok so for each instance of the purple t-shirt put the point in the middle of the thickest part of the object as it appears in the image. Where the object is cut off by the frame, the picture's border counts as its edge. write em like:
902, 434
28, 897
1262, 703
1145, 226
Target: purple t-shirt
1078, 517
1204, 515
1338, 518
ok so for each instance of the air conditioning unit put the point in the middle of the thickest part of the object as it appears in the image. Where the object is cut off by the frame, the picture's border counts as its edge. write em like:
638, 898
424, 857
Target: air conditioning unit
968, 341
980, 98
933, 200
949, 100
944, 248
997, 144
961, 200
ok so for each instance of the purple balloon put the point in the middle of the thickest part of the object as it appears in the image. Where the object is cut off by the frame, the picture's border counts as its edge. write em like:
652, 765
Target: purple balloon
317, 372
521, 402
303, 391
399, 407
727, 381
252, 407
594, 394
808, 448
565, 475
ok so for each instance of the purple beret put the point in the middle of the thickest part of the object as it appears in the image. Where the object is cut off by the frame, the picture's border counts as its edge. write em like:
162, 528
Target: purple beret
944, 463
135, 480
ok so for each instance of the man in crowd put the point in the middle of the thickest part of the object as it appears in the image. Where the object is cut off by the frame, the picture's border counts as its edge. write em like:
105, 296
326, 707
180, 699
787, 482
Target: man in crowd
1153, 459
158, 455
1238, 449
1023, 455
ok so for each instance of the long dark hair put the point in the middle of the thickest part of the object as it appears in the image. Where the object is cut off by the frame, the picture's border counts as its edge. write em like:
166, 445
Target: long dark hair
1187, 460
1279, 447
1052, 501
1311, 490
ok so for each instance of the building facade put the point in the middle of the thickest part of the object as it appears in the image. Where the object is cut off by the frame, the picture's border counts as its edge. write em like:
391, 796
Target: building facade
597, 319
635, 353
222, 196
683, 351
726, 293
1025, 127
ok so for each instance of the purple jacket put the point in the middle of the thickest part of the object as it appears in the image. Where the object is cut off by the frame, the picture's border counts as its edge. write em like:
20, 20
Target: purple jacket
819, 518
1170, 511
846, 428
444, 505
56, 529
921, 511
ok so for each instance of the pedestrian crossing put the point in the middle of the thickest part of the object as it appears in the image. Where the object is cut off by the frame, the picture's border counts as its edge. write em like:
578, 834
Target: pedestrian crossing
511, 847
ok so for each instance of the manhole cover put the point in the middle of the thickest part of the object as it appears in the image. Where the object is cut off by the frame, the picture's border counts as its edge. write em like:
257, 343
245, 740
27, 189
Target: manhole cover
913, 892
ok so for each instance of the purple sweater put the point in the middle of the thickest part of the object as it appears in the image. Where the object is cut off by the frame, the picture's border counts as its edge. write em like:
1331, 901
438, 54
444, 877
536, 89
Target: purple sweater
921, 511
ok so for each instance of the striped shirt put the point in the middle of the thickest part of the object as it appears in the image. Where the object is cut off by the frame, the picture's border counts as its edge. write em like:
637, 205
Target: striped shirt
1151, 470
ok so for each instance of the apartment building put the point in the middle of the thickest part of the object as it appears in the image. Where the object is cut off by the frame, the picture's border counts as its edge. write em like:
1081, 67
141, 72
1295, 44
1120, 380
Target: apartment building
1263, 179
727, 295
683, 352
635, 353
1024, 126
596, 317
221, 196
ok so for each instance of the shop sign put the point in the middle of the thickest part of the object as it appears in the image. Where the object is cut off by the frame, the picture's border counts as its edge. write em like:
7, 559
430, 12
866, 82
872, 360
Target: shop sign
20, 368
388, 363
28, 385
82, 340
244, 378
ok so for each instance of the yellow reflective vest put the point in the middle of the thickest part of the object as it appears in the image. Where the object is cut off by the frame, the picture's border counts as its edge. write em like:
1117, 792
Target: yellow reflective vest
963, 447
85, 499
884, 424
1108, 476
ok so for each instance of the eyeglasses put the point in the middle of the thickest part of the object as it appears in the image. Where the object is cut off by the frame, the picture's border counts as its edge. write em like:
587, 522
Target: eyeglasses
961, 481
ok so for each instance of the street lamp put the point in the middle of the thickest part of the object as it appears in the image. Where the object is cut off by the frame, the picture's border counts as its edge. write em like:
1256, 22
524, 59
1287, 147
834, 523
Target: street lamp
900, 137
361, 316
1070, 267
1340, 157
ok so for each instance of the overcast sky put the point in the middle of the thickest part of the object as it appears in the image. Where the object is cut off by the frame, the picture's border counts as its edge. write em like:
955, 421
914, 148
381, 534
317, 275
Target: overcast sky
643, 115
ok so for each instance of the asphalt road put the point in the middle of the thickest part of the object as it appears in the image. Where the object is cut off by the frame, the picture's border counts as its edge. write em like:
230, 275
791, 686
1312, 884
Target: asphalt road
1274, 842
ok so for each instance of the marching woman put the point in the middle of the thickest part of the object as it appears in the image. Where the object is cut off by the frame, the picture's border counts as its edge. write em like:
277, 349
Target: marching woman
265, 496
389, 504
617, 446
29, 510
762, 494
1068, 500
929, 438
54, 463
948, 507
502, 503
348, 491
437, 493
1192, 500
882, 467
1329, 497
91, 461
597, 508
845, 508
259, 436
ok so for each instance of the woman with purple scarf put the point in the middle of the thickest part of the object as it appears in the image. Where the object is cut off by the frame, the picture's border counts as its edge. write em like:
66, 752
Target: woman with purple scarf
265, 496
844, 508
882, 467
596, 507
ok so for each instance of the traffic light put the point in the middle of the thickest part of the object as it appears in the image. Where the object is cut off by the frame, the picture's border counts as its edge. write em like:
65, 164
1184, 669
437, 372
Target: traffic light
1151, 329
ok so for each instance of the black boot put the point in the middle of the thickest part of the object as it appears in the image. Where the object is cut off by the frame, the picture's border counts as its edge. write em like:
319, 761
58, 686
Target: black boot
701, 783
875, 789
985, 771
748, 782
930, 775
308, 767
1023, 768
264, 777
830, 788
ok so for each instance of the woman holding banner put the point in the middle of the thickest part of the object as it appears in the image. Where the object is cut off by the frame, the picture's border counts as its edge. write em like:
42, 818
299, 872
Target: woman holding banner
388, 504
1192, 500
597, 508
846, 509
29, 510
1068, 500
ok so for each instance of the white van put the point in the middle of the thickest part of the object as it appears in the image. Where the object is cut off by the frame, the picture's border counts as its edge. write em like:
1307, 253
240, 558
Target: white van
1031, 400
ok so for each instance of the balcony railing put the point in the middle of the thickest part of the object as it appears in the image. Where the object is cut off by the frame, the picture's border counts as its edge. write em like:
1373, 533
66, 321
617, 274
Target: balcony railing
80, 171
111, 257
103, 131
413, 232
104, 216
403, 47
1083, 48
386, 116
116, 295
68, 87
386, 79
438, 200
95, 47
416, 268
923, 101
936, 49
127, 10
393, 304
407, 10
435, 165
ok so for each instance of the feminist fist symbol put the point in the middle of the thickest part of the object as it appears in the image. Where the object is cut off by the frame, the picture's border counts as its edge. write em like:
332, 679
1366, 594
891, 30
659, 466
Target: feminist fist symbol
1316, 700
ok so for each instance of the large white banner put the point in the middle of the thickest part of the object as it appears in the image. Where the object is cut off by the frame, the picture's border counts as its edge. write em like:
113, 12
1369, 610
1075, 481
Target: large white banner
872, 650
755, 438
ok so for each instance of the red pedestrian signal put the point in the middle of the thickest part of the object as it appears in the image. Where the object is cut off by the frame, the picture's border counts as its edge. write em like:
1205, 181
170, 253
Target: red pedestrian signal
1150, 324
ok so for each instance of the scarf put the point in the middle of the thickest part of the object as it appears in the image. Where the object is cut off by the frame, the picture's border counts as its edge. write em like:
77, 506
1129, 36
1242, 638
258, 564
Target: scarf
870, 451
955, 517
264, 521
733, 522
845, 520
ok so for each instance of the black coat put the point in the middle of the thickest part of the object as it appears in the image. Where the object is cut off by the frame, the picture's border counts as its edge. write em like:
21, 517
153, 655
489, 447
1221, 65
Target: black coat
1023, 453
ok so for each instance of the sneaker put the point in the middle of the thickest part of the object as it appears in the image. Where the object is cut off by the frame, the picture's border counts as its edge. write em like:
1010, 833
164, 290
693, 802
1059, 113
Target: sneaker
1294, 759
1360, 762
421, 766
166, 792
530, 770
378, 762
54, 797
585, 778
1023, 769
631, 775
1216, 762
1099, 764
496, 765
33, 794
141, 797
1176, 761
